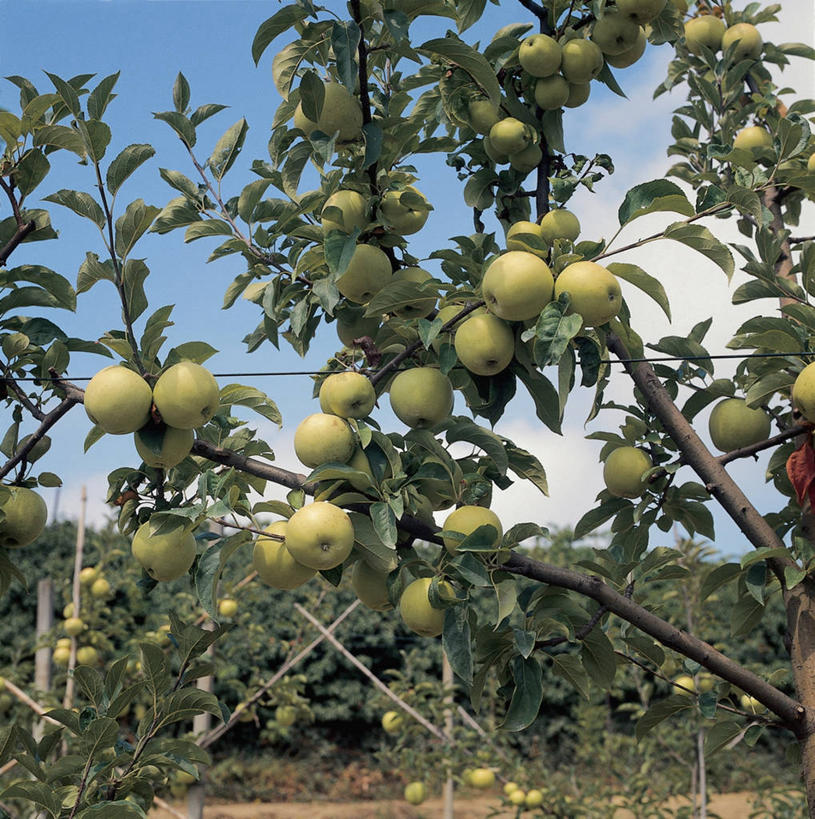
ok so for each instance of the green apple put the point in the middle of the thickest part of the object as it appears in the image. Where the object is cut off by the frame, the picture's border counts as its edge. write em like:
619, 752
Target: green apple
509, 136
418, 308
367, 273
684, 685
517, 797
733, 425
582, 60
73, 626
87, 655
352, 324
466, 519
227, 607
641, 11
753, 138
61, 656
539, 55
534, 798
527, 160
118, 400
631, 55
341, 112
517, 285
444, 315
615, 33
706, 31
417, 611
320, 535
751, 704
421, 397
351, 205
405, 212
186, 395
274, 562
285, 715
321, 438
484, 344
578, 94
347, 394
87, 577
559, 223
526, 229
552, 92
482, 778
175, 445
498, 157
748, 42
166, 556
24, 516
811, 163
371, 586
415, 793
483, 115
100, 588
595, 292
392, 722
803, 392
680, 5
624, 472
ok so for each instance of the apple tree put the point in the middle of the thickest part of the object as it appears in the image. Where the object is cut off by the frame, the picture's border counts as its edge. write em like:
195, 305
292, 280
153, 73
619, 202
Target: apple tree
522, 297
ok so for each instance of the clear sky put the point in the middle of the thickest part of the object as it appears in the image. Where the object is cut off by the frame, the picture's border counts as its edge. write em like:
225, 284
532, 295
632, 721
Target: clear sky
149, 42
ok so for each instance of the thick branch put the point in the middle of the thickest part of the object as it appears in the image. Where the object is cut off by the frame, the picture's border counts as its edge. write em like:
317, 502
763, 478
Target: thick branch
19, 235
364, 96
790, 711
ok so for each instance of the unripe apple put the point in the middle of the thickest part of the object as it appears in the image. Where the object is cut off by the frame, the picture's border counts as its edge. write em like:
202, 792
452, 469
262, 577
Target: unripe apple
733, 425
559, 223
498, 157
275, 564
552, 92
354, 324
466, 519
353, 208
578, 94
748, 42
228, 607
630, 55
341, 112
706, 31
484, 344
803, 392
517, 285
421, 397
811, 163
118, 400
25, 516
371, 586
539, 55
525, 228
683, 682
100, 588
175, 445
415, 793
320, 535
367, 273
483, 778
166, 556
582, 61
416, 610
418, 308
534, 798
483, 115
348, 395
527, 160
87, 655
753, 138
615, 33
594, 291
641, 11
509, 136
624, 472
402, 212
88, 576
321, 438
186, 395
73, 626
517, 797
392, 722
61, 656
751, 704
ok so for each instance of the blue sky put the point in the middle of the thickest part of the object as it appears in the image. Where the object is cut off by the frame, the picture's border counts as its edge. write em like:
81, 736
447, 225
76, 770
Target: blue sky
149, 42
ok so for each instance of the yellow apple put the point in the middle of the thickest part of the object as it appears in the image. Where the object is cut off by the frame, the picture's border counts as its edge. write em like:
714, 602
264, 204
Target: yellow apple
466, 519
582, 60
517, 797
482, 115
753, 138
733, 424
166, 556
528, 228
418, 308
87, 655
367, 273
348, 394
415, 793
615, 33
392, 721
559, 223
748, 42
352, 207
539, 55
484, 344
371, 586
509, 136
274, 562
811, 163
483, 778
118, 400
175, 445
227, 607
685, 681
285, 715
88, 576
421, 397
624, 472
578, 94
416, 610
61, 656
552, 92
402, 212
751, 704
100, 588
595, 292
73, 626
322, 438
534, 798
706, 31
630, 55
803, 392
24, 516
320, 535
340, 112
186, 395
640, 11
517, 286
510, 787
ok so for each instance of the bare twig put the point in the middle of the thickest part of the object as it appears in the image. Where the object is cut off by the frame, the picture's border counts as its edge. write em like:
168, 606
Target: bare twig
753, 449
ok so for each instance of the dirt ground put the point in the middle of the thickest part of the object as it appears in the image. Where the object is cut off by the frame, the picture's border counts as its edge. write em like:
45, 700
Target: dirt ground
727, 806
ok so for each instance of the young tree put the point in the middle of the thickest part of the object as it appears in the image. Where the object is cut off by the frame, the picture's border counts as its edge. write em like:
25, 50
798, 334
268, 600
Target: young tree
361, 97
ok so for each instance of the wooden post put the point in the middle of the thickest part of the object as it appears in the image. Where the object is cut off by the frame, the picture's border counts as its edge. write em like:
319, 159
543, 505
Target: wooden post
447, 683
68, 699
42, 657
201, 725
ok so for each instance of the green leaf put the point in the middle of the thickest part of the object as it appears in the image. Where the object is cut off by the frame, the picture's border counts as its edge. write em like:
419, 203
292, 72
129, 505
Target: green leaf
649, 197
154, 668
525, 465
527, 696
285, 65
701, 239
453, 50
210, 227
181, 93
83, 204
506, 594
553, 331
59, 136
608, 79
101, 733
180, 124
745, 615
384, 522
227, 149
60, 292
596, 517
250, 196
279, 22
571, 669
207, 572
119, 809
38, 793
545, 396
177, 213
253, 398
597, 656
100, 97
32, 168
457, 642
463, 429
126, 163
345, 37
92, 271
721, 735
133, 224
660, 711
134, 272
648, 284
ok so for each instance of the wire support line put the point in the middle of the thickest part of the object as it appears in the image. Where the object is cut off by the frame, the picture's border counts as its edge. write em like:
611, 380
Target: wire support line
284, 373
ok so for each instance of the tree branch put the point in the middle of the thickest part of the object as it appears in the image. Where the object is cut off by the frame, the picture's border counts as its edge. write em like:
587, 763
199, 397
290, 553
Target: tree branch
364, 96
748, 451
19, 235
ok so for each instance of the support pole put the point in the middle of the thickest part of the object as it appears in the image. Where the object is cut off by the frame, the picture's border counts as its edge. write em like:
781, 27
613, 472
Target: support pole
42, 657
447, 685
